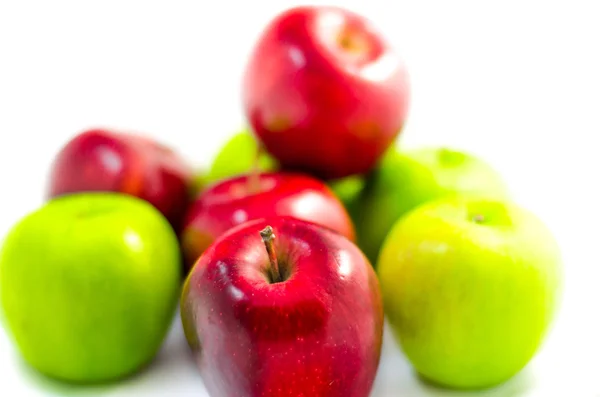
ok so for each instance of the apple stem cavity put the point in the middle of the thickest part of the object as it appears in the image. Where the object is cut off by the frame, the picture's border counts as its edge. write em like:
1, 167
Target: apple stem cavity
268, 237
478, 218
351, 42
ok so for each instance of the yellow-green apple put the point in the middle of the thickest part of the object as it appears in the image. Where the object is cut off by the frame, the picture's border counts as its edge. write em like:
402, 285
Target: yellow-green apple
89, 285
282, 307
406, 178
324, 91
471, 288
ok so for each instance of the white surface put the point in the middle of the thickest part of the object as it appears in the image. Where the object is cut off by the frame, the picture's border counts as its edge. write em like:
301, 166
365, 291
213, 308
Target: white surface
516, 82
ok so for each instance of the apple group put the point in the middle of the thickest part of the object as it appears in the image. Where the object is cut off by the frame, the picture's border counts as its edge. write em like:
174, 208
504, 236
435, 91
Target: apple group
311, 226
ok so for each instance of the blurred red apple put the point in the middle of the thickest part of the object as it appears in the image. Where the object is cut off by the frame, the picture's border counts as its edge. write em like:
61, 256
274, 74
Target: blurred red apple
281, 307
242, 198
109, 160
325, 92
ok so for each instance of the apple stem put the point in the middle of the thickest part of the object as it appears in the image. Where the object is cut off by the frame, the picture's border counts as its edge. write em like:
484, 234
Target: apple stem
268, 237
254, 176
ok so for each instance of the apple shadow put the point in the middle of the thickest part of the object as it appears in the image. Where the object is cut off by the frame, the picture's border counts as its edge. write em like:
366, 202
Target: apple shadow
396, 377
174, 362
517, 386
44, 382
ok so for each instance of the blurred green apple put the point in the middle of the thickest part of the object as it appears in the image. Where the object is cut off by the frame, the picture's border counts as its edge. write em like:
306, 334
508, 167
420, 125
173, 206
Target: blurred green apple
89, 285
199, 182
348, 190
470, 288
405, 179
238, 156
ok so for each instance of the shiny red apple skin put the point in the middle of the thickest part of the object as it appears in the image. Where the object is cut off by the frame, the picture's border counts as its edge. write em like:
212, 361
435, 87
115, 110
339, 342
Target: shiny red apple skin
111, 160
318, 333
231, 202
318, 107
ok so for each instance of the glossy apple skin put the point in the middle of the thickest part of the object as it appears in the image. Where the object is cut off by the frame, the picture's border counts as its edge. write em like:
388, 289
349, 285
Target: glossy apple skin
237, 157
318, 107
110, 160
316, 334
471, 288
407, 178
230, 203
89, 284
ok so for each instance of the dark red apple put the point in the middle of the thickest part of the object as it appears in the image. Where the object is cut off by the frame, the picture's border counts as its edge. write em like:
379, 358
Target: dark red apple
325, 92
243, 198
282, 307
109, 160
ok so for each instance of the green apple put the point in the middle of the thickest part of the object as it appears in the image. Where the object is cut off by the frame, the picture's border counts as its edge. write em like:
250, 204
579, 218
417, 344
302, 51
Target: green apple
89, 285
238, 156
348, 190
470, 289
407, 178
199, 182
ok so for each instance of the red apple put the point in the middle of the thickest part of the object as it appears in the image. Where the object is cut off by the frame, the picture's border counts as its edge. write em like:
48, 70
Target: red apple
108, 160
240, 199
325, 92
297, 313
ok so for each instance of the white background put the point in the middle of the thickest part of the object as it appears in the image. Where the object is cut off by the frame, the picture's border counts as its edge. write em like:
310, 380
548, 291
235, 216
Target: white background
516, 82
